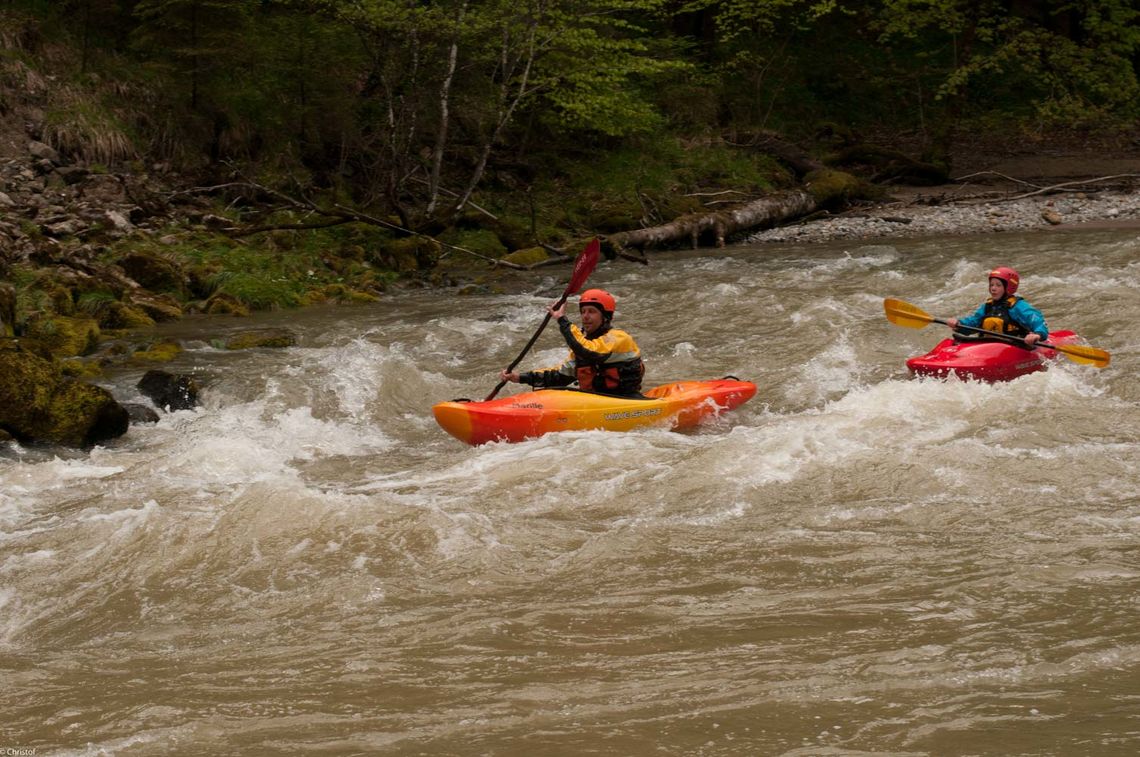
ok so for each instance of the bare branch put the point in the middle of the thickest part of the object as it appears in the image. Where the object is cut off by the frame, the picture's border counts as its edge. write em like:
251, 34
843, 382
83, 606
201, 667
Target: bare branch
1063, 187
1000, 176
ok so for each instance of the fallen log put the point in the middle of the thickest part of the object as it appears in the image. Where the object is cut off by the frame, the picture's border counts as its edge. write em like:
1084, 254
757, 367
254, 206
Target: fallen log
822, 189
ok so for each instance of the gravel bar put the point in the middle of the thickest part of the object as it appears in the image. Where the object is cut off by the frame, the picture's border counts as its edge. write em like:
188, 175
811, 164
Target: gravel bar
916, 219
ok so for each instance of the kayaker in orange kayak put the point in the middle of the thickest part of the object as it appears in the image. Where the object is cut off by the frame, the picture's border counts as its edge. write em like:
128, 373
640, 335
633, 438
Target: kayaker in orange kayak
602, 358
1004, 312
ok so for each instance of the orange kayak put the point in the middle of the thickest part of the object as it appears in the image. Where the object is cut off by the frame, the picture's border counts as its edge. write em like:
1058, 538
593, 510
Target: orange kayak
681, 404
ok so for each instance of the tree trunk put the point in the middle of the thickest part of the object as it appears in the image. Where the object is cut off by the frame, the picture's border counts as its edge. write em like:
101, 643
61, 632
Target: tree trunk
444, 114
821, 189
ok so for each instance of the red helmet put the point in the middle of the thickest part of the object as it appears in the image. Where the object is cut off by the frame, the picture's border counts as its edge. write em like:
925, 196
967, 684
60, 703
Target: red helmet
599, 298
1008, 275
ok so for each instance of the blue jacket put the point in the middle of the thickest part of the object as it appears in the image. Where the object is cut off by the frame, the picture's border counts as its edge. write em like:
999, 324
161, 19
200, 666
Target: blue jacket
1022, 312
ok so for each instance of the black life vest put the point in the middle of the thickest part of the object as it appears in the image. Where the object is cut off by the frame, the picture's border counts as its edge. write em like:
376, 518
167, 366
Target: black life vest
612, 378
996, 317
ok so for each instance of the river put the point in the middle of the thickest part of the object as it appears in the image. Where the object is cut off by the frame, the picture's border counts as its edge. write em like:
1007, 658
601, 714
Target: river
854, 562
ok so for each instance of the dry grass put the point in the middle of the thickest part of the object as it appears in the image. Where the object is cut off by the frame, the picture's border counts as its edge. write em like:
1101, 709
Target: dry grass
22, 80
18, 33
84, 130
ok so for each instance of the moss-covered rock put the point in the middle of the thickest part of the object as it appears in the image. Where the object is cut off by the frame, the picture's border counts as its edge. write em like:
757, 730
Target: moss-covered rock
529, 256
409, 254
201, 280
344, 293
118, 315
261, 338
161, 351
514, 233
830, 187
480, 241
159, 307
154, 273
25, 344
52, 295
39, 404
85, 368
63, 335
83, 415
221, 303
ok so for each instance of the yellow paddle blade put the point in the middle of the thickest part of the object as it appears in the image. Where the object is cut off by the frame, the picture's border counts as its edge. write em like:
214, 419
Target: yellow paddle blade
904, 314
1084, 355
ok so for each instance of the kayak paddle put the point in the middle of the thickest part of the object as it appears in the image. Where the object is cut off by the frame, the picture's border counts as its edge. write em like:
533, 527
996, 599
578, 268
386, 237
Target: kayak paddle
912, 317
583, 266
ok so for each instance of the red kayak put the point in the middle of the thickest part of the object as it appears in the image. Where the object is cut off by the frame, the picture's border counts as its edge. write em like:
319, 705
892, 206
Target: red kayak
986, 360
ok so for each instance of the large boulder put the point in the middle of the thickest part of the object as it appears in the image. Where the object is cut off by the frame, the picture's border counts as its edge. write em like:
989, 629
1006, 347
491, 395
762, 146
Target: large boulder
39, 404
64, 335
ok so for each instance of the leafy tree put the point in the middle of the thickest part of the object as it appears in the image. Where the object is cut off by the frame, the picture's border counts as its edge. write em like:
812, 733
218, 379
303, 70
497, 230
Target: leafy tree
449, 79
1071, 59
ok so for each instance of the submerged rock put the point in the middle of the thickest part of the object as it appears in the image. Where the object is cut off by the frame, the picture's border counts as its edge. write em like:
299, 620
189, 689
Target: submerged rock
275, 337
141, 414
169, 391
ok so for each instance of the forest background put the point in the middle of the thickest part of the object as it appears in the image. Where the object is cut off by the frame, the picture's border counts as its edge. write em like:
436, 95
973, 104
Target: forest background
271, 153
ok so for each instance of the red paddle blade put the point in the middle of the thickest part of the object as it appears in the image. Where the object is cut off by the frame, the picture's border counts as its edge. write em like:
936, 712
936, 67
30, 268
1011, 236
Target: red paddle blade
584, 265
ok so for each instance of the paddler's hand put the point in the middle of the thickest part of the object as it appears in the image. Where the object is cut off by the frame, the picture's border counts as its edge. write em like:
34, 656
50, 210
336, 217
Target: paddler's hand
557, 311
512, 376
952, 323
1032, 338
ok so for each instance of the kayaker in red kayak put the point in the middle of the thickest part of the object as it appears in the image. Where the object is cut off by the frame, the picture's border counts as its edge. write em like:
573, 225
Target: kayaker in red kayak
1004, 312
602, 358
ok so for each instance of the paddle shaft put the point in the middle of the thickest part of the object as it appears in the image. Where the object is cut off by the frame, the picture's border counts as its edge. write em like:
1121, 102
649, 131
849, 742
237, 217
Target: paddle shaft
526, 349
913, 317
583, 267
1010, 337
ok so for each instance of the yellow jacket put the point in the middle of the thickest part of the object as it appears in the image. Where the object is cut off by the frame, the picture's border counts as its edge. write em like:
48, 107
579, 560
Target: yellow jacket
609, 361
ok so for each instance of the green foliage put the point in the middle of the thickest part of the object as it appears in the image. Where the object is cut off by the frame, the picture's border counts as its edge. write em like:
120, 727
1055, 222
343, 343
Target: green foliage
599, 75
271, 270
652, 179
408, 108
258, 290
1071, 61
95, 303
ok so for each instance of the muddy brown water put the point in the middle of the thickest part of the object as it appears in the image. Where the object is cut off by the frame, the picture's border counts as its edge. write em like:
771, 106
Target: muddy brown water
855, 562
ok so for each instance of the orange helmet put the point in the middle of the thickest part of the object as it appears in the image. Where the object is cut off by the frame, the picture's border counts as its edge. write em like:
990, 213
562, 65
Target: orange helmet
1008, 275
599, 298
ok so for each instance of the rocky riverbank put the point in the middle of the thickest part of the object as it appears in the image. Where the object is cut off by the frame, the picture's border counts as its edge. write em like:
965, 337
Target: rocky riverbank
950, 210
